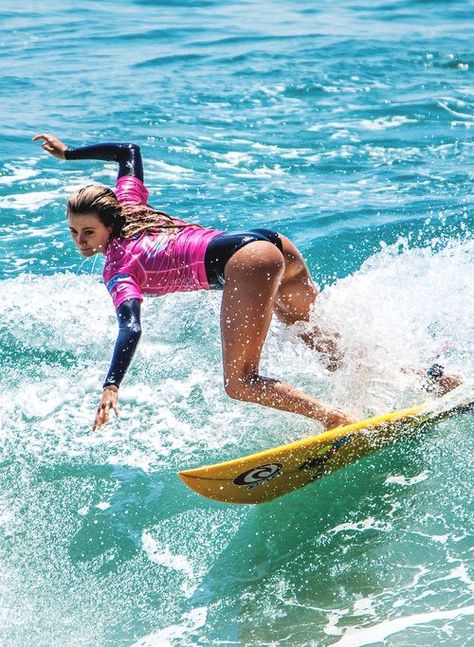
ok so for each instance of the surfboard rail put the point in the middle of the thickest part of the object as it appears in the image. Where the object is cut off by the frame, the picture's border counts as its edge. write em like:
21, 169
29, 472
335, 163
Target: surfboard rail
266, 475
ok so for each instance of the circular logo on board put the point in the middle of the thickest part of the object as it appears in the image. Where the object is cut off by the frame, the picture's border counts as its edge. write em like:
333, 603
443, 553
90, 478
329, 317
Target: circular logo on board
258, 475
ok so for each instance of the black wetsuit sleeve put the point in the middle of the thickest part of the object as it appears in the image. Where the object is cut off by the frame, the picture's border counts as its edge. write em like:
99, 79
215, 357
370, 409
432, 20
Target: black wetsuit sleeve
128, 156
128, 316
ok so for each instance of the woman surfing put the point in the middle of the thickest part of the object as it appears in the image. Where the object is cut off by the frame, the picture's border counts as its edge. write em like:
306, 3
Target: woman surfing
148, 252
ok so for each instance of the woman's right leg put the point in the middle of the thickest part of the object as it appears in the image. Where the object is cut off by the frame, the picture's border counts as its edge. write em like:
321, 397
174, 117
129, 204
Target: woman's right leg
252, 279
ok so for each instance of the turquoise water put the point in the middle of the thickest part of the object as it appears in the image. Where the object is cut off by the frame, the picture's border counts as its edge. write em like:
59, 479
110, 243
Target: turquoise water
346, 126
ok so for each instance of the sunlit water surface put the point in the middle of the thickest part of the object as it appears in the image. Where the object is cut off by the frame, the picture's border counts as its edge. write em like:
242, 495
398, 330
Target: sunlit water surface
346, 126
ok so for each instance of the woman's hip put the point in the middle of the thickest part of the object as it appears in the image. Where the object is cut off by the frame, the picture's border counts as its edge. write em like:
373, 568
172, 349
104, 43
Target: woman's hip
223, 246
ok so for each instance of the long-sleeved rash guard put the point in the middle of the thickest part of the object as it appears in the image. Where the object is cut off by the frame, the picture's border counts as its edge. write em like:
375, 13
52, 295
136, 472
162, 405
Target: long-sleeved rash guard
130, 163
128, 157
149, 263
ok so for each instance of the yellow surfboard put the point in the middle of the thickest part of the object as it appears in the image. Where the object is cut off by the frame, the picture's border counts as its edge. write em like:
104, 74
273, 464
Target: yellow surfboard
272, 473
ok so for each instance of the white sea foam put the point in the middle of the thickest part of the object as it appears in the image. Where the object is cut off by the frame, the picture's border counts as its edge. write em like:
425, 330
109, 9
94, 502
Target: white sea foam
394, 314
405, 481
232, 159
163, 556
168, 637
157, 171
361, 526
457, 112
18, 175
379, 123
189, 148
383, 630
31, 201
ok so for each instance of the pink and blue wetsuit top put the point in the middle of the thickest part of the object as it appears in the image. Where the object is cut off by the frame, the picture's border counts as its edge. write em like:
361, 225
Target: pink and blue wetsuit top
149, 263
155, 263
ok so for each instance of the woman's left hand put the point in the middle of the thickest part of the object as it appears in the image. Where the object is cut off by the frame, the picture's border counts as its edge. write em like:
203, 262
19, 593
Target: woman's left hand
52, 145
108, 401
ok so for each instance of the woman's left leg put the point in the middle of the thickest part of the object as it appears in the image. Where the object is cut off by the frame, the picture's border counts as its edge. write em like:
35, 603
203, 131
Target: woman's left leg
294, 301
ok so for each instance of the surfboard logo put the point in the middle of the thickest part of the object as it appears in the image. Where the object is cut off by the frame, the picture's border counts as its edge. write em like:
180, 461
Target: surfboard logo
258, 475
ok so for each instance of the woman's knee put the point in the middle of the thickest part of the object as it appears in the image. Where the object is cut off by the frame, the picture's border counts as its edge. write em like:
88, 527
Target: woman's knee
295, 298
239, 387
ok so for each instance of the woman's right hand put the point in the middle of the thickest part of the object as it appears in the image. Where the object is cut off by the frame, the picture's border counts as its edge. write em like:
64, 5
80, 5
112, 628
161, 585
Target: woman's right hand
333, 418
52, 145
108, 401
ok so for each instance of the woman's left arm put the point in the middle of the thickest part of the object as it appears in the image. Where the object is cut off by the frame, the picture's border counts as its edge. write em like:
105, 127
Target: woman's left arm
128, 316
127, 156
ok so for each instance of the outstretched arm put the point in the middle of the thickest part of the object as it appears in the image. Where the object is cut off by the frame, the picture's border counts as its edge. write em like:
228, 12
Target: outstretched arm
127, 156
128, 316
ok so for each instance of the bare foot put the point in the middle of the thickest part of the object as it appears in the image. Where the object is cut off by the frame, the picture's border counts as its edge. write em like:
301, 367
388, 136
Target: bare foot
436, 381
445, 384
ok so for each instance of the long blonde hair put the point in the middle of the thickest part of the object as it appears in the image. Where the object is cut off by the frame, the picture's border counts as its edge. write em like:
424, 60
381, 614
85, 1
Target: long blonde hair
126, 220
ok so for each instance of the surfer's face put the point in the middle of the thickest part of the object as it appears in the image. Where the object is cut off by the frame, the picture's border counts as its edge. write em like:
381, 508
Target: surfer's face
89, 234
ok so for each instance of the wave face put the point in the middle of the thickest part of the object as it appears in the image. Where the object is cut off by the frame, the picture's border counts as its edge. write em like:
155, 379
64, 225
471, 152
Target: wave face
347, 127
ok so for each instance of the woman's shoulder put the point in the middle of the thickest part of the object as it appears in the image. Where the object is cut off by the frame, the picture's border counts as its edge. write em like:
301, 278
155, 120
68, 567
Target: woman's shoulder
130, 190
119, 249
122, 255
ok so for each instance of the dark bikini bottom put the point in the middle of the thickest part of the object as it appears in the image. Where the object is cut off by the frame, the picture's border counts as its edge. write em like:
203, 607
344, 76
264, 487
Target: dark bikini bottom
224, 245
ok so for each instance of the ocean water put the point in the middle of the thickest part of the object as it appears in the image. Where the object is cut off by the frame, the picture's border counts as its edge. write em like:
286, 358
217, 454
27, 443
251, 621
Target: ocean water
348, 127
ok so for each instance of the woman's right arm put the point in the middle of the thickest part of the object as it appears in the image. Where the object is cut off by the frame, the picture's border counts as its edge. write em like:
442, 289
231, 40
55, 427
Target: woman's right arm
128, 316
127, 156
